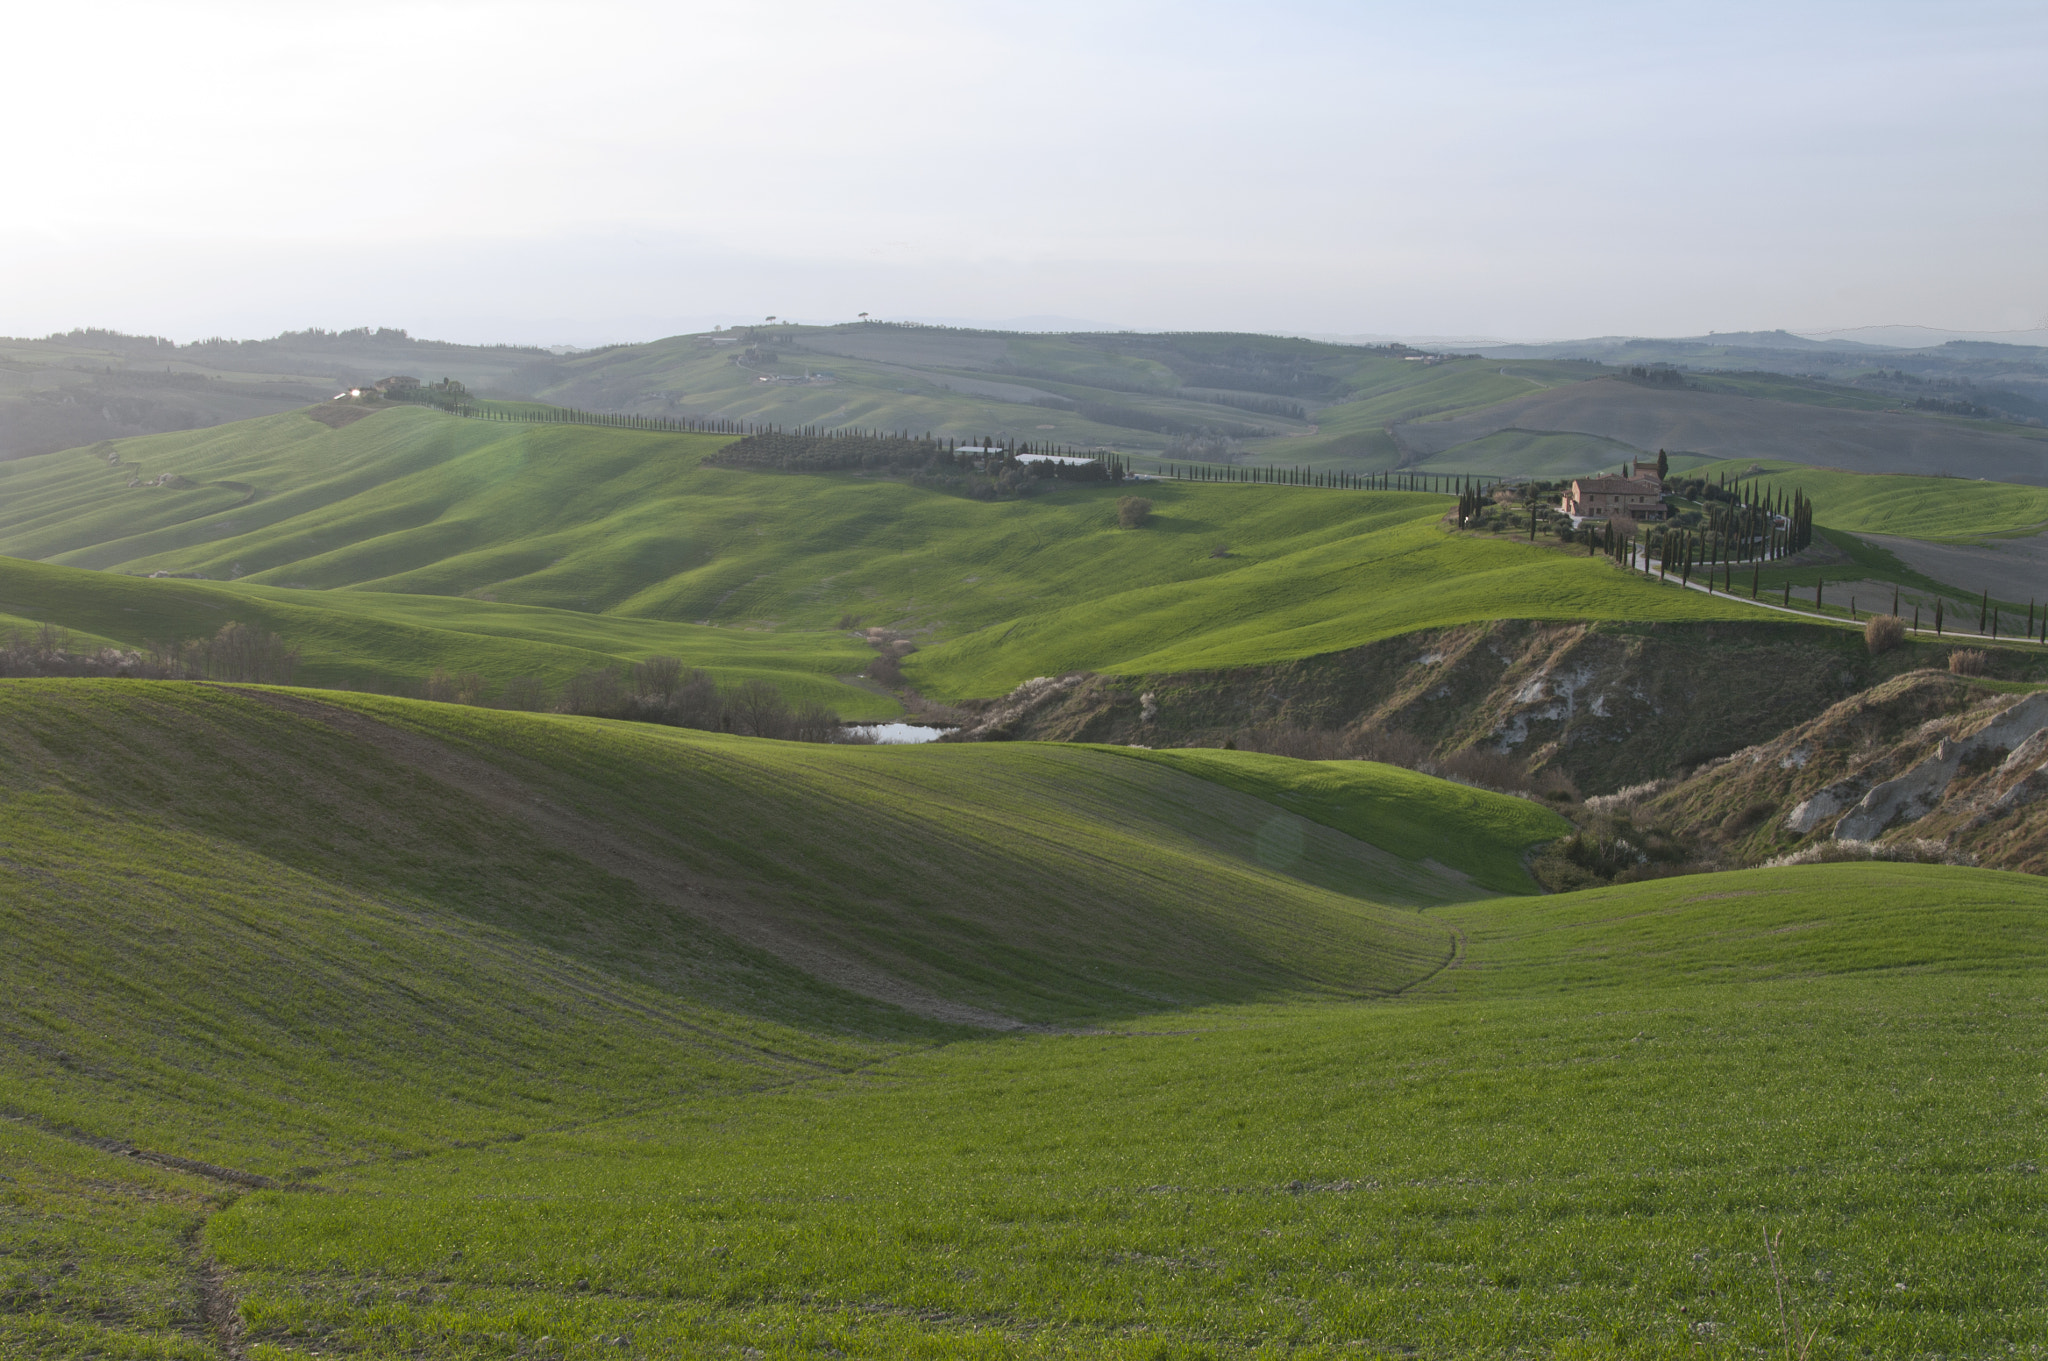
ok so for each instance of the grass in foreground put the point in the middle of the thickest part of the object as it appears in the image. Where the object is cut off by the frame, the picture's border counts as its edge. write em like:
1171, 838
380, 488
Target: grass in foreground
1576, 1145
552, 1112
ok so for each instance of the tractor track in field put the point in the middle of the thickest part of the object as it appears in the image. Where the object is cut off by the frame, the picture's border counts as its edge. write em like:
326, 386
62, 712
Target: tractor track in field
661, 879
1456, 961
220, 1316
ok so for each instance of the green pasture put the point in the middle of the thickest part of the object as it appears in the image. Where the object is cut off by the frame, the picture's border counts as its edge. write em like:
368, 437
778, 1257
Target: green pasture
1534, 453
1866, 582
1944, 509
1375, 568
627, 528
451, 1015
1351, 434
1426, 818
379, 641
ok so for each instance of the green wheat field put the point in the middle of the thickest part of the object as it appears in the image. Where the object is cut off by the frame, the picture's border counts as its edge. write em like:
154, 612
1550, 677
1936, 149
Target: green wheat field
381, 1015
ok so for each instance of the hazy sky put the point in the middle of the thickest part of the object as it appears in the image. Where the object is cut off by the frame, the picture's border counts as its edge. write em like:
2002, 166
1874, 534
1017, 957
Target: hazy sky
589, 172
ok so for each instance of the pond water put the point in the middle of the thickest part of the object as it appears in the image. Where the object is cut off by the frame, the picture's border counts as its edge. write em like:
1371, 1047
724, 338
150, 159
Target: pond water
896, 734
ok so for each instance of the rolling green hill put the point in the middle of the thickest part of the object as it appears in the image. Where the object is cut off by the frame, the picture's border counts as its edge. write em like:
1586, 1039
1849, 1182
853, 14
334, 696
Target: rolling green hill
1942, 509
361, 640
352, 1025
410, 505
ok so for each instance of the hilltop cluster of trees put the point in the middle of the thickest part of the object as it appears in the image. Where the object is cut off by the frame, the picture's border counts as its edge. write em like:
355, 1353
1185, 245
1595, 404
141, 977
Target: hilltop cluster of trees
1737, 521
235, 652
447, 394
1205, 449
1945, 407
990, 469
1656, 375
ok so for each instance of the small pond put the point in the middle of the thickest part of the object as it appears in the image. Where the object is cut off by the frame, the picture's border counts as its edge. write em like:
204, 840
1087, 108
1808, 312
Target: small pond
895, 734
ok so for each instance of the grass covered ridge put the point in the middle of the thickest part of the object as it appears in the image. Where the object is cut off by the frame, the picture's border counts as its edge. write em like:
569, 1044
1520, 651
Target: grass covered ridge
628, 525
1423, 817
1944, 509
376, 641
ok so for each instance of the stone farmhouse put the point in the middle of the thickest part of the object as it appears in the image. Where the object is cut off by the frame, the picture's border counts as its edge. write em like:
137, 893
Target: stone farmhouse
1639, 496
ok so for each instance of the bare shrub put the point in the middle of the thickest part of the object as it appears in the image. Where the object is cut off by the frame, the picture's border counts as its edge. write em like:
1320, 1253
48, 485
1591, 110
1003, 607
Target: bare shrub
657, 675
525, 692
48, 652
694, 702
471, 688
1883, 633
1623, 802
886, 669
1221, 550
440, 687
813, 722
598, 693
1968, 661
1133, 511
757, 709
1912, 850
241, 652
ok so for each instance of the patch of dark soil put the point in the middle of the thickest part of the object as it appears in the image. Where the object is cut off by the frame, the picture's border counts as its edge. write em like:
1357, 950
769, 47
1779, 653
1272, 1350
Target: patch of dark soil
338, 414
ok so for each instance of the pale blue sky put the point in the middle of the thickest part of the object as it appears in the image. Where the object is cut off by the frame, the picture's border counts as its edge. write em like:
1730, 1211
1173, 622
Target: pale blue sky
591, 172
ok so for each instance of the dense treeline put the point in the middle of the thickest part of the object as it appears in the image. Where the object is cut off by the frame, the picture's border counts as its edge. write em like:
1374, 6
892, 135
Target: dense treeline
569, 415
1265, 406
1273, 474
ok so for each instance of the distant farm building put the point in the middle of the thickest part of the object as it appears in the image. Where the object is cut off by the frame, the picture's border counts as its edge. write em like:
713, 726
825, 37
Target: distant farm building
1639, 497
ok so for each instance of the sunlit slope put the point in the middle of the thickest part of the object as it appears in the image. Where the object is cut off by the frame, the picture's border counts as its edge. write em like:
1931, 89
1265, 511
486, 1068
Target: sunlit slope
1352, 433
1424, 818
1870, 919
1955, 509
1393, 577
626, 523
379, 641
1589, 1127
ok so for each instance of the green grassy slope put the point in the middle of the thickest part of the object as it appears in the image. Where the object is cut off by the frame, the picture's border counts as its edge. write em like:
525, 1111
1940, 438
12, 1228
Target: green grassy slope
1352, 434
1577, 1146
378, 641
1946, 509
628, 524
480, 979
1049, 882
1359, 577
1426, 818
1129, 392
